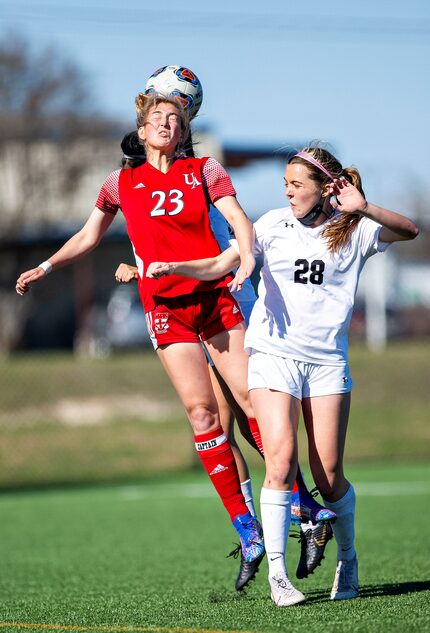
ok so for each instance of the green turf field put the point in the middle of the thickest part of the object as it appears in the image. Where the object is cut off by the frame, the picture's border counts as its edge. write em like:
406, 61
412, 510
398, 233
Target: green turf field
65, 419
151, 557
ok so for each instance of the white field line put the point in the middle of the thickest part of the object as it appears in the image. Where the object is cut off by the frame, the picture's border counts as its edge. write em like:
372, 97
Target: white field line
203, 490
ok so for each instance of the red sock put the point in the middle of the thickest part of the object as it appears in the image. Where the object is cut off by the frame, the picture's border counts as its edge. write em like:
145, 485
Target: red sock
218, 460
255, 431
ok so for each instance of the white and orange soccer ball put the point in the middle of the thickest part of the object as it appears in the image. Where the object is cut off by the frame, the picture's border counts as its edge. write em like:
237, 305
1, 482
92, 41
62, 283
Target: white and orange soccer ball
180, 83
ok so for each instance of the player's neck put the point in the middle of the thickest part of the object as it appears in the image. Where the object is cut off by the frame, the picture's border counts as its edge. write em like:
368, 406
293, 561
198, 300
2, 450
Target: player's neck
160, 160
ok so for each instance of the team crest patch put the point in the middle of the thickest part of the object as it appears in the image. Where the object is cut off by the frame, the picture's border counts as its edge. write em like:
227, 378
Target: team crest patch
161, 322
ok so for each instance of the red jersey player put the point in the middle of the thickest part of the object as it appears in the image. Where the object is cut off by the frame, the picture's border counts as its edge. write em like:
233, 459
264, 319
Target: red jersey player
165, 203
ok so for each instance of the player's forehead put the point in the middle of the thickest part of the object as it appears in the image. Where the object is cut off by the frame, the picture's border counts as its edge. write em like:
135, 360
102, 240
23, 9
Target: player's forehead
297, 172
165, 107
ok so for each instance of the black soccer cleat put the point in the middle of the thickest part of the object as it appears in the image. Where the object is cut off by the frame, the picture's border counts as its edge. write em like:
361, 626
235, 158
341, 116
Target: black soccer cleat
313, 540
247, 569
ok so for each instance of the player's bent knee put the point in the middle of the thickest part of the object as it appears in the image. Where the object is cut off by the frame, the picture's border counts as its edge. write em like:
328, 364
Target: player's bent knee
203, 420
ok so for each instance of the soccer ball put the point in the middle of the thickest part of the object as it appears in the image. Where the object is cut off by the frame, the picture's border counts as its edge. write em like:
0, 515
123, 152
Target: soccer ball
178, 83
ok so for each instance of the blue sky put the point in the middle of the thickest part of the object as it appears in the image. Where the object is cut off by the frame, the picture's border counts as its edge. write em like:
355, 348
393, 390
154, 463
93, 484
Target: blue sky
355, 75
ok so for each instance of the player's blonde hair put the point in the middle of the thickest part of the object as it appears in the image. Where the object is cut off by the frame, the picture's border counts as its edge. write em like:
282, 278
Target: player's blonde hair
145, 102
340, 227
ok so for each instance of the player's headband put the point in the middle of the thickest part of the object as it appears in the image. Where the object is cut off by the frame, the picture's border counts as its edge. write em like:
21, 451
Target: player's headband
315, 162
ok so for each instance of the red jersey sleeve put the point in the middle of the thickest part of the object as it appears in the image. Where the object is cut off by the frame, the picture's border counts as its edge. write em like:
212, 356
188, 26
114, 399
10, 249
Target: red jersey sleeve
108, 198
216, 180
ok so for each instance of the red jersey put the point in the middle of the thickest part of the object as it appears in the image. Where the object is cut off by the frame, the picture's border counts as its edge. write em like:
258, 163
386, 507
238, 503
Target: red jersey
167, 217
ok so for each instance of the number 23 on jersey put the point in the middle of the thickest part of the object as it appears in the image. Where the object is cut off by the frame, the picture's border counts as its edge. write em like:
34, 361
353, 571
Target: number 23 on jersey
174, 200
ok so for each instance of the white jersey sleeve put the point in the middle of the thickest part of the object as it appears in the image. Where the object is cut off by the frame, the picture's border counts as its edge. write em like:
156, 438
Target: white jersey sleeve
261, 231
367, 235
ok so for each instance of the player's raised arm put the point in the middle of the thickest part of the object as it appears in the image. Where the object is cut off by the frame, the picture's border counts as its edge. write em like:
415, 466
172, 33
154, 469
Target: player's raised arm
395, 227
74, 249
203, 269
244, 233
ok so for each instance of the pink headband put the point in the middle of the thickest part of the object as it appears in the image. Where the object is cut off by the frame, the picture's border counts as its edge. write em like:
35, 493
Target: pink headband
312, 160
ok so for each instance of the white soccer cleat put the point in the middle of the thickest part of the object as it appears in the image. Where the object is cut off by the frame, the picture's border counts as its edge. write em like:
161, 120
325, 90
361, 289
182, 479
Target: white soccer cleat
283, 592
345, 585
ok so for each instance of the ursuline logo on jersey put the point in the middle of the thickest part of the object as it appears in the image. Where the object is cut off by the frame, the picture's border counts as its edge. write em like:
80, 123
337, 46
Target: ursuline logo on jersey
191, 180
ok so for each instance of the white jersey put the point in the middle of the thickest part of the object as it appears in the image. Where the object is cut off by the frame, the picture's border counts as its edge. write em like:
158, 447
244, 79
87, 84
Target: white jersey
223, 234
306, 294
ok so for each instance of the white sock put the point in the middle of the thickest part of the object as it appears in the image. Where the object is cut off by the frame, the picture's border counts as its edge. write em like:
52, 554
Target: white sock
246, 487
343, 527
275, 516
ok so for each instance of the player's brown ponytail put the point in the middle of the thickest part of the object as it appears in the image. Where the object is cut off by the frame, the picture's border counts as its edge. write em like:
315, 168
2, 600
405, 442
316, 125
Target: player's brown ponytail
339, 229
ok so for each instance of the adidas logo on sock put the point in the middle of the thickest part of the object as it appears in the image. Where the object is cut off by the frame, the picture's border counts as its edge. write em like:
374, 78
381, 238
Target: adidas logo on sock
218, 469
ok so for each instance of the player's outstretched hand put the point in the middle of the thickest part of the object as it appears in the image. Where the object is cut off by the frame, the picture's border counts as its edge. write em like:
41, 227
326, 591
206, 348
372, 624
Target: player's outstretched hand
247, 265
126, 273
346, 198
156, 270
25, 279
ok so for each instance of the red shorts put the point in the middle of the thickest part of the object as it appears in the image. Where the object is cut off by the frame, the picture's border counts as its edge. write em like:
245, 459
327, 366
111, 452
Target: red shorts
192, 318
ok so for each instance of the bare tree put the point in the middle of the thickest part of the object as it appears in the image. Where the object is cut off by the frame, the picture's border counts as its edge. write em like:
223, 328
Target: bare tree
50, 139
47, 123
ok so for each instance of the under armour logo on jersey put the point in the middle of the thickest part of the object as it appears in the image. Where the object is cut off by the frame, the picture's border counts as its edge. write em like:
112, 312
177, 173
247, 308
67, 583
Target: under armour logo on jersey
345, 379
289, 224
191, 180
140, 185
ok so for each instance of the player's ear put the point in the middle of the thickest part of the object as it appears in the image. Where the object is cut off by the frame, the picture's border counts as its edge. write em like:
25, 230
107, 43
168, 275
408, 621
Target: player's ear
326, 190
141, 133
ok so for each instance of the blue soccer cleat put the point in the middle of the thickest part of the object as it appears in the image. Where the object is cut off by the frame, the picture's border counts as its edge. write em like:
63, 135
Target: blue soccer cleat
251, 548
305, 509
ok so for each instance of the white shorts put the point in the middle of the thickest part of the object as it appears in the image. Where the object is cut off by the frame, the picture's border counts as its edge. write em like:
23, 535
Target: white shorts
298, 378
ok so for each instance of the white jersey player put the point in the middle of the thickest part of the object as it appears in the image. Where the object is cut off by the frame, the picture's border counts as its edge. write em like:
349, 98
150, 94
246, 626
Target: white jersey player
306, 293
297, 340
